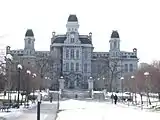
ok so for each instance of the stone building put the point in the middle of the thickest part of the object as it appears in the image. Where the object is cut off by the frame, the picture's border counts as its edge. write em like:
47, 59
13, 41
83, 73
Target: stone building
73, 58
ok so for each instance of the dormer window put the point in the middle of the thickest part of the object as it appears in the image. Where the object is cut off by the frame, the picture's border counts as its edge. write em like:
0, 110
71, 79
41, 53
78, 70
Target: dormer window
72, 38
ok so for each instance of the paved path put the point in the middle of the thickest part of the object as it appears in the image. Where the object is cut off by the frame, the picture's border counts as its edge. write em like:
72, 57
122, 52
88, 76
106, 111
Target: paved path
92, 110
48, 112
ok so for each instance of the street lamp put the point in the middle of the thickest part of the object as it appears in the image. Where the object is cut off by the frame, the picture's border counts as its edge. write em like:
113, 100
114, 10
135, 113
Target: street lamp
19, 66
146, 74
28, 72
34, 76
38, 105
122, 78
61, 77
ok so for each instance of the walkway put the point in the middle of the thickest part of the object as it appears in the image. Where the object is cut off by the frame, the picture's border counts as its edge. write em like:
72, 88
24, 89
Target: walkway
90, 110
48, 112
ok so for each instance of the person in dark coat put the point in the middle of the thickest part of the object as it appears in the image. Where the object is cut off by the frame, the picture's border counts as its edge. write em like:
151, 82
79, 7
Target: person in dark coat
112, 96
115, 99
51, 98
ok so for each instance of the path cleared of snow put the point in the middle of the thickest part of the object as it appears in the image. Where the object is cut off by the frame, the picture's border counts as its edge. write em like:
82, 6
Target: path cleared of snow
83, 110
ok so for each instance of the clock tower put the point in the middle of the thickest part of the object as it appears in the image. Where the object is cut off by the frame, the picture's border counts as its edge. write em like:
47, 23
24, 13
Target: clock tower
29, 42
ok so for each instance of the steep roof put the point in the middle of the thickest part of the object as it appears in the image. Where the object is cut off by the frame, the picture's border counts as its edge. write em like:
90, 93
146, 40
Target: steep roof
72, 18
29, 33
61, 39
114, 34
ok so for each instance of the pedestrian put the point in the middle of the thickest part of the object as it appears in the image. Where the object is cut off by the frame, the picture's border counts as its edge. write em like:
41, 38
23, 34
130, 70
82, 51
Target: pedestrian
112, 96
51, 98
76, 96
115, 99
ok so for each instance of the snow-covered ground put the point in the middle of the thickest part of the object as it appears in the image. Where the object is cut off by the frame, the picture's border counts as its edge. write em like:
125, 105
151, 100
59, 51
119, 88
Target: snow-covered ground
15, 95
13, 112
87, 110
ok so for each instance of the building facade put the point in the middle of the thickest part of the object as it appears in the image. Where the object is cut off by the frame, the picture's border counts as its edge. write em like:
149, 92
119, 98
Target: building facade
73, 58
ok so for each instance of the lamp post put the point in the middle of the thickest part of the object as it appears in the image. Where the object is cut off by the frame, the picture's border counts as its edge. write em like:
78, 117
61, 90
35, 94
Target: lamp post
19, 66
90, 86
146, 74
60, 86
28, 72
34, 76
135, 88
38, 105
122, 78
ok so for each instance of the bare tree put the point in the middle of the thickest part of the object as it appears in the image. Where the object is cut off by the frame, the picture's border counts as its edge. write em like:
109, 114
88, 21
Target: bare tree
44, 66
114, 71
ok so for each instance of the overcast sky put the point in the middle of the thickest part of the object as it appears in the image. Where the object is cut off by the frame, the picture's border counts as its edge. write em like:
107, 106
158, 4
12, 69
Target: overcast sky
137, 21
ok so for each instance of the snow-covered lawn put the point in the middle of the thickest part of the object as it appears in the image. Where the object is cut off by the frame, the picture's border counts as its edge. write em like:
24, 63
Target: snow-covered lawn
89, 110
15, 95
13, 112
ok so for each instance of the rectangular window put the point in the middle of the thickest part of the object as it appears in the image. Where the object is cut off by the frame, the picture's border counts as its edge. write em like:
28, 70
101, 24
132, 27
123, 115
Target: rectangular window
85, 67
126, 67
72, 66
67, 54
86, 55
77, 54
131, 67
72, 53
67, 66
77, 67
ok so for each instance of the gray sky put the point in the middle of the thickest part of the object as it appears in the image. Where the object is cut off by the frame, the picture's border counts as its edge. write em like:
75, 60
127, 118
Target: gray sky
137, 22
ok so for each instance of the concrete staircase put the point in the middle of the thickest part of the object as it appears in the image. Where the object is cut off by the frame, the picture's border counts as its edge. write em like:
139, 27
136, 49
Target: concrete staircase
71, 93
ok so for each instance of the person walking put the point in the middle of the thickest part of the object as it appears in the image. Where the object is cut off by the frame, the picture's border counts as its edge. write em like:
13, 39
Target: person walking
115, 99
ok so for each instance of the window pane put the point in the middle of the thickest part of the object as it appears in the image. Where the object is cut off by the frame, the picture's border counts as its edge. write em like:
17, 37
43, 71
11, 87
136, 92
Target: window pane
72, 66
131, 67
85, 54
77, 54
67, 54
72, 53
126, 67
77, 66
85, 67
67, 66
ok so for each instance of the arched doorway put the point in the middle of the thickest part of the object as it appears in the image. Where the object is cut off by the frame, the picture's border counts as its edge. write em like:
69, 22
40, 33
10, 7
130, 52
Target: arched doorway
73, 81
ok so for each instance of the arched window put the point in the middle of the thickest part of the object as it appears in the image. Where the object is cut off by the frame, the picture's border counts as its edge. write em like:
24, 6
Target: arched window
115, 44
77, 54
85, 54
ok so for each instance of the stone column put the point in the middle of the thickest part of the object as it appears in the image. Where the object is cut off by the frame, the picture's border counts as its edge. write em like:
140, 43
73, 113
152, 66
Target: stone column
90, 86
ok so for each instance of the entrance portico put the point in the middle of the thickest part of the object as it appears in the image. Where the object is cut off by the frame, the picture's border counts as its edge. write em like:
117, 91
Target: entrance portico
73, 81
